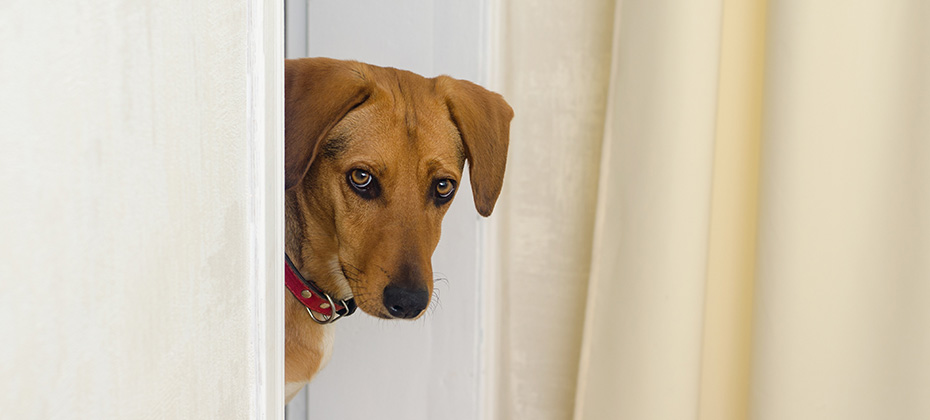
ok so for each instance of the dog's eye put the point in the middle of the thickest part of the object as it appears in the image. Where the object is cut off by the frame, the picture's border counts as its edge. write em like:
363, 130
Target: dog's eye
360, 179
444, 188
363, 183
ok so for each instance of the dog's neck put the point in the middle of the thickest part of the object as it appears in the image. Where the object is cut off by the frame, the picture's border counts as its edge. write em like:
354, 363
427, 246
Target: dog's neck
294, 223
308, 344
310, 243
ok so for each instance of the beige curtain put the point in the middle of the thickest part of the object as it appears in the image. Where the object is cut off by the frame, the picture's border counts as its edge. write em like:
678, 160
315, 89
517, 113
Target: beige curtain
715, 209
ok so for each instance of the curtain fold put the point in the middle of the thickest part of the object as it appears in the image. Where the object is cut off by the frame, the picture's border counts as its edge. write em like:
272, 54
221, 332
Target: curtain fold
728, 297
642, 343
842, 318
760, 246
556, 64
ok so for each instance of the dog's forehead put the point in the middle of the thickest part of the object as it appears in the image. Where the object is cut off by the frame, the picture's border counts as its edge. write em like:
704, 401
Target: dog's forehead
400, 119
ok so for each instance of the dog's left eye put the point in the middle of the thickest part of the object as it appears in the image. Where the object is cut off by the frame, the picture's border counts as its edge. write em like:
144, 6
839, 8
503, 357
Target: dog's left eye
445, 188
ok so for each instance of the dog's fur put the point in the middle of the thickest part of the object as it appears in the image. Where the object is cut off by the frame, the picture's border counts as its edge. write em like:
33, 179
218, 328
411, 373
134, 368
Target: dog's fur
409, 133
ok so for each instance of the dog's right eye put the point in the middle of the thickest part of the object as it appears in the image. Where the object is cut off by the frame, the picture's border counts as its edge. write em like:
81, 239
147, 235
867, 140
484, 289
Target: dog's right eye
364, 183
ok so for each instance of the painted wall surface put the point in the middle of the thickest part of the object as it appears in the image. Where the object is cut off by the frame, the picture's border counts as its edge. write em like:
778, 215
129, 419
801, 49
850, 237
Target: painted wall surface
124, 252
429, 368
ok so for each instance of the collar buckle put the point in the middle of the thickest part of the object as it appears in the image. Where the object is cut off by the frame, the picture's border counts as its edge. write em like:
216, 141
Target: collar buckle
321, 306
348, 306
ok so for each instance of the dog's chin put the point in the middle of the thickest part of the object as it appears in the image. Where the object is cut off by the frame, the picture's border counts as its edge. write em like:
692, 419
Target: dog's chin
375, 310
363, 299
384, 315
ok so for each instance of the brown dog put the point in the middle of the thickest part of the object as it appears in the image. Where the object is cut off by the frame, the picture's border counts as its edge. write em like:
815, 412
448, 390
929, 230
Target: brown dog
373, 158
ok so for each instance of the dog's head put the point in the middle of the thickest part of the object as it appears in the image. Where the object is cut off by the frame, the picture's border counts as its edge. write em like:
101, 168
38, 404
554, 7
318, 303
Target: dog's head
374, 157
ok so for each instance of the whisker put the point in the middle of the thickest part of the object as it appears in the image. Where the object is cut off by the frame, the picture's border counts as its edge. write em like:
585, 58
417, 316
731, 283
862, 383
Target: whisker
360, 271
435, 302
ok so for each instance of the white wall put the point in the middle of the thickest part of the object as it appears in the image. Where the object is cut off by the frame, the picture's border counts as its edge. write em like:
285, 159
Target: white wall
129, 188
430, 368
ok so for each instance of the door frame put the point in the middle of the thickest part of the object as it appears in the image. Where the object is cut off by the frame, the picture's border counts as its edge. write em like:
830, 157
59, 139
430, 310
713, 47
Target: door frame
265, 120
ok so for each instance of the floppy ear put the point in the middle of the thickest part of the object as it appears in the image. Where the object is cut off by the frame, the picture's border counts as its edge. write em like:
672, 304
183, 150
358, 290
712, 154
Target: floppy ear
483, 119
318, 92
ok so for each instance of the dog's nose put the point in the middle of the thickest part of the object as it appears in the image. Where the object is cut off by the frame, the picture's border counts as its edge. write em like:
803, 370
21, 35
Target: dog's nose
405, 303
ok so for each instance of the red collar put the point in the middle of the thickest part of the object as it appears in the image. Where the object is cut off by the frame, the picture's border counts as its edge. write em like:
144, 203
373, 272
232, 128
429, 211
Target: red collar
313, 298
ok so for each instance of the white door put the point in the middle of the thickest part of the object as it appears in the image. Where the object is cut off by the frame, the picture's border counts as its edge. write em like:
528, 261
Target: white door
430, 368
140, 191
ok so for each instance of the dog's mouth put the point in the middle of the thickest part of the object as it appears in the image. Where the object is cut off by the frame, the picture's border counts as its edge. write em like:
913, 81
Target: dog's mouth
369, 301
354, 292
390, 303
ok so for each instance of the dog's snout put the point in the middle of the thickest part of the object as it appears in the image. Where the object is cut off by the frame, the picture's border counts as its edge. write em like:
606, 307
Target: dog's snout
405, 303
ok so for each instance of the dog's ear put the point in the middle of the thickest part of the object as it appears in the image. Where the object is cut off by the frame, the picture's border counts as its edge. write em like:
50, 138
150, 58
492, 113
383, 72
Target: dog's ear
318, 93
483, 119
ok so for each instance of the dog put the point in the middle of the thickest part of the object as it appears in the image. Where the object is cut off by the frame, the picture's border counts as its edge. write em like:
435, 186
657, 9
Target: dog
373, 158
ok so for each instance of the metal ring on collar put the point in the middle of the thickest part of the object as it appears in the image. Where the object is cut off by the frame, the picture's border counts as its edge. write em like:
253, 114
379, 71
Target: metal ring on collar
326, 319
